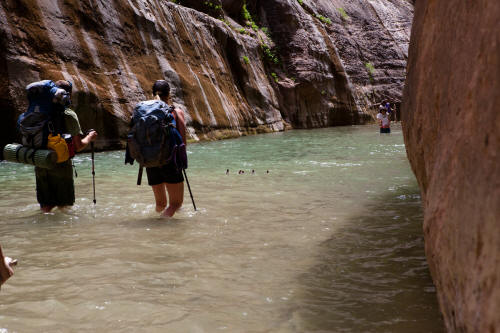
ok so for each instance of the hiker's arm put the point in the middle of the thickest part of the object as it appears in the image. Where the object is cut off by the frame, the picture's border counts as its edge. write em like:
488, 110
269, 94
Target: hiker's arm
5, 268
181, 124
80, 143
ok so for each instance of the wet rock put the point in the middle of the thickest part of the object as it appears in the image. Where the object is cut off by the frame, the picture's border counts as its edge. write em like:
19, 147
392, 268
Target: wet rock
210, 7
452, 133
232, 7
326, 46
286, 65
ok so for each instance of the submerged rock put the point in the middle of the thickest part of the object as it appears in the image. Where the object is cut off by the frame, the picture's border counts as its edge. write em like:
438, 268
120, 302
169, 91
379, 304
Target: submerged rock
236, 67
452, 133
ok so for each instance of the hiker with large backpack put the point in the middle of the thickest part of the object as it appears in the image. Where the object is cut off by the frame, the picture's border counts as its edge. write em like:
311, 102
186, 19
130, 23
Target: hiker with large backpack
49, 123
157, 140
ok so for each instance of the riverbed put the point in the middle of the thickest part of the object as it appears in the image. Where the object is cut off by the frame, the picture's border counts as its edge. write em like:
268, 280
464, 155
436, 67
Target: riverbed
325, 235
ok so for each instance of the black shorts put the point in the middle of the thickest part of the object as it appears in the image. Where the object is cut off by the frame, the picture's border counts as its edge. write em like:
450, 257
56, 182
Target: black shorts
385, 130
164, 174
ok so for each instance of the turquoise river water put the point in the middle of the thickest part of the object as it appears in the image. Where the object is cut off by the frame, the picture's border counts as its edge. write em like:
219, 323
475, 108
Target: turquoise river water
330, 240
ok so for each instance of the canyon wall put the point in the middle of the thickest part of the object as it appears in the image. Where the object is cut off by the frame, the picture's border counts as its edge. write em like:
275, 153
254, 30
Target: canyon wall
451, 123
287, 63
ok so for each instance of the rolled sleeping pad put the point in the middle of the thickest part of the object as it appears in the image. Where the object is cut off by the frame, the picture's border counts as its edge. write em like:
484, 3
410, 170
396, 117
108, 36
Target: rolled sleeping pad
43, 158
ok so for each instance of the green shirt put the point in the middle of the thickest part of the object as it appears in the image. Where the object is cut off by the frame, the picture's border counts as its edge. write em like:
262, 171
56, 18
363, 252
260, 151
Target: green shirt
72, 123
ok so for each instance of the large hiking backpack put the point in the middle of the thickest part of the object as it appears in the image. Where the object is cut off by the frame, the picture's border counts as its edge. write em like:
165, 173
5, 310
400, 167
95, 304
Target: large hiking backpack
154, 139
44, 115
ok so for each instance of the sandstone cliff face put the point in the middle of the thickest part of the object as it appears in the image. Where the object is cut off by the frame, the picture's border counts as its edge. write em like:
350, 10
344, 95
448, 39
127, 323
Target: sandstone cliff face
452, 133
305, 63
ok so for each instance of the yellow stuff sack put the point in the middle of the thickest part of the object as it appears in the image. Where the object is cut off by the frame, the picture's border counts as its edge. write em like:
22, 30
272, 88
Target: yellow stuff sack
59, 145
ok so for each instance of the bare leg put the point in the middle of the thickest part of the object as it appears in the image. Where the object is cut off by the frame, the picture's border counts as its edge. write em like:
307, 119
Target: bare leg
175, 196
160, 196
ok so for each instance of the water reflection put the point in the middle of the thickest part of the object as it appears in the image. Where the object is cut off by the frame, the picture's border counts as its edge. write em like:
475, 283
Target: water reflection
372, 273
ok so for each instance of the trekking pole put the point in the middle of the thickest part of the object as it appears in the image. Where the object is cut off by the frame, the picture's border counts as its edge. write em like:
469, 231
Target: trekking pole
93, 170
189, 188
139, 175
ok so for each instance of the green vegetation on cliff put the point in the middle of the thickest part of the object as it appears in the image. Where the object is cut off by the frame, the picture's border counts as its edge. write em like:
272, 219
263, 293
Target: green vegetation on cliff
371, 70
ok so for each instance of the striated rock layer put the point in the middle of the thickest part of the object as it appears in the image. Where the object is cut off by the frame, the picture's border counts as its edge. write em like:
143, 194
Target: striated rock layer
452, 131
287, 63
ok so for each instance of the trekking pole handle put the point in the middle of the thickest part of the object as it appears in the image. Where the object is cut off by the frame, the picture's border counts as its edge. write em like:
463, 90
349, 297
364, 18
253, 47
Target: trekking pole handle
88, 131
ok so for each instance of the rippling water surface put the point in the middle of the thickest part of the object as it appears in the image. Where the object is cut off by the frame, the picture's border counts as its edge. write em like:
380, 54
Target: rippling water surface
329, 240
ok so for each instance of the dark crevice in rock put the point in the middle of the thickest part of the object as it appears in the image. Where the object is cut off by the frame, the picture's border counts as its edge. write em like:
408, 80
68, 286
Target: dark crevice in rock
236, 64
212, 8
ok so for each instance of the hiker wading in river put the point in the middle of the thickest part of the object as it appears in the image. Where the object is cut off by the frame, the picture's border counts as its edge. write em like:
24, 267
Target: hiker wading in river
384, 120
55, 187
157, 141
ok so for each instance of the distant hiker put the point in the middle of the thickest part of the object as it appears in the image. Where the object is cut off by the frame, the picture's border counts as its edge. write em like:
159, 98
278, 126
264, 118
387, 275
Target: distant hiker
6, 270
388, 108
383, 120
227, 171
253, 171
49, 123
165, 157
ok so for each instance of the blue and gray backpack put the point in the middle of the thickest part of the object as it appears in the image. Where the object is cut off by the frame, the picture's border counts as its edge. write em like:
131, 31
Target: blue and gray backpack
154, 140
44, 114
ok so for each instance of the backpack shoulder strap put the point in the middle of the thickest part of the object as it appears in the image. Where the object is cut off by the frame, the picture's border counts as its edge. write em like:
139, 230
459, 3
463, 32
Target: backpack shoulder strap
58, 119
170, 111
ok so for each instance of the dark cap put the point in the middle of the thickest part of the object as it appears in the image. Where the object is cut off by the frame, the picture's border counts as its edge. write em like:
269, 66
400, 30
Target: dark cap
161, 87
66, 85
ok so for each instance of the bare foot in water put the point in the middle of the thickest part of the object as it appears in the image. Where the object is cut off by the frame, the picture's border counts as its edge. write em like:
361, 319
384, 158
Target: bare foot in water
6, 264
171, 210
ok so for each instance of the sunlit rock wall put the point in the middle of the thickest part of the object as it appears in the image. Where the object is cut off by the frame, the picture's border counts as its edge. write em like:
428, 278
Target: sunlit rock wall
451, 124
221, 74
